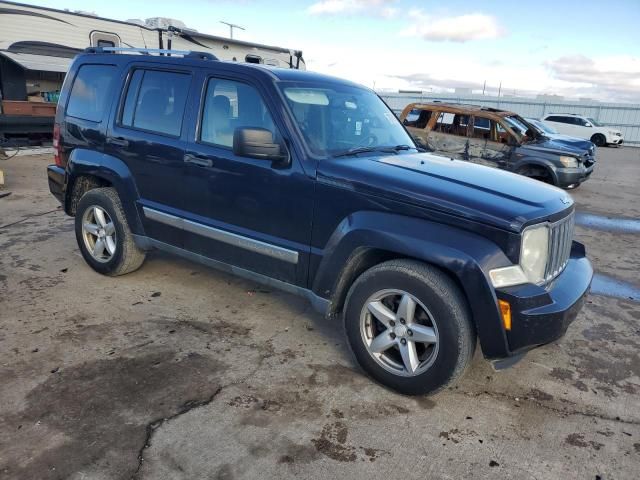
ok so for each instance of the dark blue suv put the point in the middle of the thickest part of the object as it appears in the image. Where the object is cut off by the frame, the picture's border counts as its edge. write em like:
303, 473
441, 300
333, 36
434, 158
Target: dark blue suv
311, 184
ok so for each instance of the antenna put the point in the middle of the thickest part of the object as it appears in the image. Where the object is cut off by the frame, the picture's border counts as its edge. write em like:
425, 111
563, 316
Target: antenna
231, 27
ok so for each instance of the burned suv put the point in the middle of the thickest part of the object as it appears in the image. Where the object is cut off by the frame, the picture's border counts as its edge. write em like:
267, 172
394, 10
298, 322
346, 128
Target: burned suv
497, 138
311, 184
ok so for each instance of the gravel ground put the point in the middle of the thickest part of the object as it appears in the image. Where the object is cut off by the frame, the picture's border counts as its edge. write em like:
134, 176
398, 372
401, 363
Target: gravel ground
178, 371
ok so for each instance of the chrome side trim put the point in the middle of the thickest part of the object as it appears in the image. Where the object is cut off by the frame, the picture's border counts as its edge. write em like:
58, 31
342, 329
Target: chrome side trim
257, 246
321, 305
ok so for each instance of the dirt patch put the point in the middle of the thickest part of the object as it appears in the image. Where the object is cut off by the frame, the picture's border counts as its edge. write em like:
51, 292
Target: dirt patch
96, 414
540, 395
577, 440
561, 374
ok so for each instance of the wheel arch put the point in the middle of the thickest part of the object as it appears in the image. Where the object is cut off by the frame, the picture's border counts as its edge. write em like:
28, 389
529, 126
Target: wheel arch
375, 237
88, 169
534, 163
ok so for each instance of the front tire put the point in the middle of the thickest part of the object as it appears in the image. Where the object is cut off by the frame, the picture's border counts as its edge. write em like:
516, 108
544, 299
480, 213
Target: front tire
409, 327
599, 140
103, 234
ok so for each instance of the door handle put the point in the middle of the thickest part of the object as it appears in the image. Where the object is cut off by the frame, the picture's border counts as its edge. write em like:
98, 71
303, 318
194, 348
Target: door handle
198, 160
119, 141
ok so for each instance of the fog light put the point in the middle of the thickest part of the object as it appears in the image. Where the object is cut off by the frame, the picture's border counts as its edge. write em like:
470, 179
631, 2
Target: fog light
505, 310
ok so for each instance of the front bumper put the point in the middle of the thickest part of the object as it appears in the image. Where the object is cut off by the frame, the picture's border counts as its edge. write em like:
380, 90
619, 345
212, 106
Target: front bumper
542, 314
573, 176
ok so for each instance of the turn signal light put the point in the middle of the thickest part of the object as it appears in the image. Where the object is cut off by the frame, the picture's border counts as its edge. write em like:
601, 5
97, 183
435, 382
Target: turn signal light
505, 311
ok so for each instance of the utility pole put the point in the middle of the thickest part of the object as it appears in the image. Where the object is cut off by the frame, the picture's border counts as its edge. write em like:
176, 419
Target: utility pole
231, 27
500, 89
484, 86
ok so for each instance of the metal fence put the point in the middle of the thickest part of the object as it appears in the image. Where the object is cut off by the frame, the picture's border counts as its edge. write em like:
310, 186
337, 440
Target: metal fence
624, 117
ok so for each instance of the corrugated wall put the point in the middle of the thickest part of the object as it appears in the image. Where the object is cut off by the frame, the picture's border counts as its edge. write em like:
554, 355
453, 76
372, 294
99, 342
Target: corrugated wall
625, 117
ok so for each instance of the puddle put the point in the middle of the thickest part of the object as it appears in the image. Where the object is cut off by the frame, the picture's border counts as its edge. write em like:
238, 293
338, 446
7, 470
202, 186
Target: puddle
609, 224
611, 287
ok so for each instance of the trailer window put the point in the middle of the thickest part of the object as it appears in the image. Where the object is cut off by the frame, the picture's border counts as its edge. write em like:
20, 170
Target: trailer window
91, 91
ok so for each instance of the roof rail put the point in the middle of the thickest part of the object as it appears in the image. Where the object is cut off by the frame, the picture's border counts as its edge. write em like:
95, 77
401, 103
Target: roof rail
150, 51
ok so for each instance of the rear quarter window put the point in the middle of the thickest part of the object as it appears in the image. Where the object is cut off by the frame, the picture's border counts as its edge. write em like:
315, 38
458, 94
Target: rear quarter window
91, 91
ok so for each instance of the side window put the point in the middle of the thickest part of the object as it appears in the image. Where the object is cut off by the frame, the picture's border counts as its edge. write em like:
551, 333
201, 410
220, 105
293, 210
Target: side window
555, 118
453, 124
229, 105
580, 122
417, 118
155, 101
91, 91
481, 128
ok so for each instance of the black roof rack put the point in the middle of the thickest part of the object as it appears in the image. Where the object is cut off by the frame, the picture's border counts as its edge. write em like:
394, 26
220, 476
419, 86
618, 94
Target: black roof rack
151, 51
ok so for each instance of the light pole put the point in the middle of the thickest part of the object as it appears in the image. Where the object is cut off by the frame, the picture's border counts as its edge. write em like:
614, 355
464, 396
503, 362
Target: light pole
231, 27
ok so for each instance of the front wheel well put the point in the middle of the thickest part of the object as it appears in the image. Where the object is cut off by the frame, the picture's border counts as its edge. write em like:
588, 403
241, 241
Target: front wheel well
537, 172
362, 260
81, 185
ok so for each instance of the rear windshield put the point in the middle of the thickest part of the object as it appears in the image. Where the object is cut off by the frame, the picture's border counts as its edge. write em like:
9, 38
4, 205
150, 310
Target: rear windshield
90, 92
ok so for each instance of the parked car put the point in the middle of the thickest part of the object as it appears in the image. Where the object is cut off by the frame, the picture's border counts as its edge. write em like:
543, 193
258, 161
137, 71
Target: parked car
584, 127
552, 134
496, 138
311, 184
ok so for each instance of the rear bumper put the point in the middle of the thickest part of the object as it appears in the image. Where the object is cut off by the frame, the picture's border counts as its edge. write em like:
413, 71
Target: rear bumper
56, 177
541, 315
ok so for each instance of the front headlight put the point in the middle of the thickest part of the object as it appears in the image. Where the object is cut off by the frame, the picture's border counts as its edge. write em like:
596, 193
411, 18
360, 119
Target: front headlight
534, 252
569, 162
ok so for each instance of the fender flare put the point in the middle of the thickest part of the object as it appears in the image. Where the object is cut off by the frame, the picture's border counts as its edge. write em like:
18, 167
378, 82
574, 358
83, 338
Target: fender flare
112, 170
548, 166
463, 254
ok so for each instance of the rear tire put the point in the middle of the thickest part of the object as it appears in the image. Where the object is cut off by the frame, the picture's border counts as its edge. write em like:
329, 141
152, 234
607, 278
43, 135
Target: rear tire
413, 356
103, 234
599, 140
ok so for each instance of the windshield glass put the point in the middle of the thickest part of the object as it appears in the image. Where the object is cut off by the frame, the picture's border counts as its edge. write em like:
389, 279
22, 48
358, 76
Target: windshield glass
542, 126
593, 122
517, 124
337, 119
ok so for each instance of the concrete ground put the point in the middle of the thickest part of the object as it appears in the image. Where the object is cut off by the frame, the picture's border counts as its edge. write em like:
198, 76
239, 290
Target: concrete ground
178, 371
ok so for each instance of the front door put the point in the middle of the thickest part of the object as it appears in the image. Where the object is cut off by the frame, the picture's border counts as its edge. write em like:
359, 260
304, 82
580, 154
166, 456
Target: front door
244, 211
489, 143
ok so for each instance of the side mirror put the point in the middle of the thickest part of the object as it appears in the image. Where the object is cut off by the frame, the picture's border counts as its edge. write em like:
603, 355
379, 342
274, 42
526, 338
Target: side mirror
587, 124
257, 143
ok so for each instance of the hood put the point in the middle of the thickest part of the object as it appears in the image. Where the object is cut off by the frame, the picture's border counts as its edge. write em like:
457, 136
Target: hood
575, 142
475, 192
558, 146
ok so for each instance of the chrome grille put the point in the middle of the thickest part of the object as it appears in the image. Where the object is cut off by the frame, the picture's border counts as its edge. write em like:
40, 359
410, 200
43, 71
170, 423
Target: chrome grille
560, 238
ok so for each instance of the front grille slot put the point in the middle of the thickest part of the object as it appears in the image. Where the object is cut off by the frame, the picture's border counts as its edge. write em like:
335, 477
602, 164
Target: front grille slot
560, 239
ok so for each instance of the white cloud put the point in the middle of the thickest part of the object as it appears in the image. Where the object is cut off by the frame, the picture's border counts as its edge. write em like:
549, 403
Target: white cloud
334, 7
462, 28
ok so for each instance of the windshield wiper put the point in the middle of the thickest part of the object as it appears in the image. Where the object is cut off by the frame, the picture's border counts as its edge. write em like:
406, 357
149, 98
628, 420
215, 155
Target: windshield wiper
357, 150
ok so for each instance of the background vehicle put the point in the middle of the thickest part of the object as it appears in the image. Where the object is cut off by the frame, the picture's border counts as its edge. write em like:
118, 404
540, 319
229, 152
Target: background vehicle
38, 43
551, 133
311, 184
496, 138
584, 127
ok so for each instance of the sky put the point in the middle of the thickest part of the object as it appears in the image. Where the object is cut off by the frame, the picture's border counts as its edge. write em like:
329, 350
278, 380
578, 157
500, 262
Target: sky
587, 48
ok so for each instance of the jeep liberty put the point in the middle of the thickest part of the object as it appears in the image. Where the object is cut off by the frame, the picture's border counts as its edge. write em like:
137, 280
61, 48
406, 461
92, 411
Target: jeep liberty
311, 184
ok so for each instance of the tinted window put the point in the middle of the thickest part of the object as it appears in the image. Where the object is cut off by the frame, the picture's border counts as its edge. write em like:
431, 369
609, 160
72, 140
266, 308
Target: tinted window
229, 105
555, 118
91, 91
155, 101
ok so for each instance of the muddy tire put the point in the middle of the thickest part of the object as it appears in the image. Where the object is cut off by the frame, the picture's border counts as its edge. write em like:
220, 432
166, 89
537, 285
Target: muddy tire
409, 327
599, 140
103, 234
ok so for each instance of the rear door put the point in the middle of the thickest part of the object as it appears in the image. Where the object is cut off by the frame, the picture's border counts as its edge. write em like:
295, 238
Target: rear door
489, 143
148, 135
448, 136
561, 123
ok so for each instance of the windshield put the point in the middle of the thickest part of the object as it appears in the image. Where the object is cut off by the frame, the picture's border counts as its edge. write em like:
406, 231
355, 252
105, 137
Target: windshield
517, 124
593, 122
541, 126
339, 119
